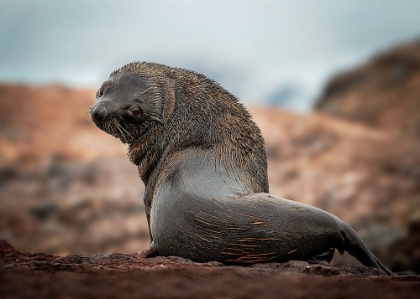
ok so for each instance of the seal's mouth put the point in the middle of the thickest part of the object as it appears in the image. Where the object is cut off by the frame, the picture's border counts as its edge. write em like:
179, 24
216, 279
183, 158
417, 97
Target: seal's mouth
110, 126
119, 129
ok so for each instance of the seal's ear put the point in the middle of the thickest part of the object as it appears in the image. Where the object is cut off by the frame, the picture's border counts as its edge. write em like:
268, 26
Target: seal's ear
168, 98
151, 103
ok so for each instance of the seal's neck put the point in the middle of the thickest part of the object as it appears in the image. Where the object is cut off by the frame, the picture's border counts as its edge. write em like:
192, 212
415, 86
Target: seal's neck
146, 152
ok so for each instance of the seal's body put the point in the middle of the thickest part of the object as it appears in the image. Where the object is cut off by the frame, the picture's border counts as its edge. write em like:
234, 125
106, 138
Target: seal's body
203, 162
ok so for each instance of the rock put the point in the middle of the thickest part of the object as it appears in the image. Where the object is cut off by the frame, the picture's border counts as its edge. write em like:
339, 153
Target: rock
58, 192
405, 252
383, 93
5, 247
120, 274
71, 259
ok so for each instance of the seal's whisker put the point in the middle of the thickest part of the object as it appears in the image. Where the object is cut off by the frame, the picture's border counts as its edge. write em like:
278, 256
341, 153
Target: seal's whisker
124, 129
117, 125
108, 127
112, 128
89, 115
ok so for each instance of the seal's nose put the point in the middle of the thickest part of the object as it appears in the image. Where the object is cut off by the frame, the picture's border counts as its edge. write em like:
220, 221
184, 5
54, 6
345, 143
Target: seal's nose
99, 113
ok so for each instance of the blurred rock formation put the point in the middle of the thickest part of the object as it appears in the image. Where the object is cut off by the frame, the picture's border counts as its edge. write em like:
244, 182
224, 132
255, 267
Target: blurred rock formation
65, 186
383, 93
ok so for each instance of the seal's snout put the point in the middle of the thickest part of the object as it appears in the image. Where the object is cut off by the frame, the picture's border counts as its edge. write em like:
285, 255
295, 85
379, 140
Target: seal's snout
99, 113
103, 110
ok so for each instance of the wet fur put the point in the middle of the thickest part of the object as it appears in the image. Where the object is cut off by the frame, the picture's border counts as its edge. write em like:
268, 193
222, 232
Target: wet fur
203, 162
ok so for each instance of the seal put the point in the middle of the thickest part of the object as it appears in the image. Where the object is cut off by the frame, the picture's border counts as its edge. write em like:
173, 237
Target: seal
202, 160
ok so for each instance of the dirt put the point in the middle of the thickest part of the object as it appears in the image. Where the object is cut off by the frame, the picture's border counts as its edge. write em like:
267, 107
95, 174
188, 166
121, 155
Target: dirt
118, 275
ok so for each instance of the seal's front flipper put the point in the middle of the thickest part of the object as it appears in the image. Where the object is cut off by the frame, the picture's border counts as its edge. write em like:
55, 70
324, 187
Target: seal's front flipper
326, 256
147, 254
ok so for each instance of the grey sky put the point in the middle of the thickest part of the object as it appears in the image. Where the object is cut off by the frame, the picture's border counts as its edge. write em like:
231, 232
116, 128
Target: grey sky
253, 48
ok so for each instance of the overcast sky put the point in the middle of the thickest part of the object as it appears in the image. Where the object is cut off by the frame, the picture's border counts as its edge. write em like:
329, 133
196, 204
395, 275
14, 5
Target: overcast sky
256, 49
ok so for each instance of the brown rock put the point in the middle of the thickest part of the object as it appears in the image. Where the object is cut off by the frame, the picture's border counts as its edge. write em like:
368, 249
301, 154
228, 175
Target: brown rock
58, 191
383, 93
5, 247
405, 252
119, 275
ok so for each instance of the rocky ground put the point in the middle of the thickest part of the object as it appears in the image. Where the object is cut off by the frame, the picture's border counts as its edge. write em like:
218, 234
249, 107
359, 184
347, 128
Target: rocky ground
118, 275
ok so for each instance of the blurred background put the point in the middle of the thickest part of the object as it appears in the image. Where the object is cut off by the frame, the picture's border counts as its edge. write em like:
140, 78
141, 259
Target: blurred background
334, 86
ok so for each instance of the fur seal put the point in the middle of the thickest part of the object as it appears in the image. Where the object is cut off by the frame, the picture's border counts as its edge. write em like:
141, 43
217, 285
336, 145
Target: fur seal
202, 160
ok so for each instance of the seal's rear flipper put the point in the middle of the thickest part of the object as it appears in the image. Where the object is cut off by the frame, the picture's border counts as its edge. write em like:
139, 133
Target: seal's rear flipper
326, 256
355, 247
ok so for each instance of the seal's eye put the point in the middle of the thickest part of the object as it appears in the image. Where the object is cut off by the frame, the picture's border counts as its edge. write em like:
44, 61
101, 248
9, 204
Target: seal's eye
135, 111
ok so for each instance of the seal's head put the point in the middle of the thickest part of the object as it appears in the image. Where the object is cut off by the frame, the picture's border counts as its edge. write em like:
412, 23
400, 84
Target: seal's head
159, 111
127, 106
